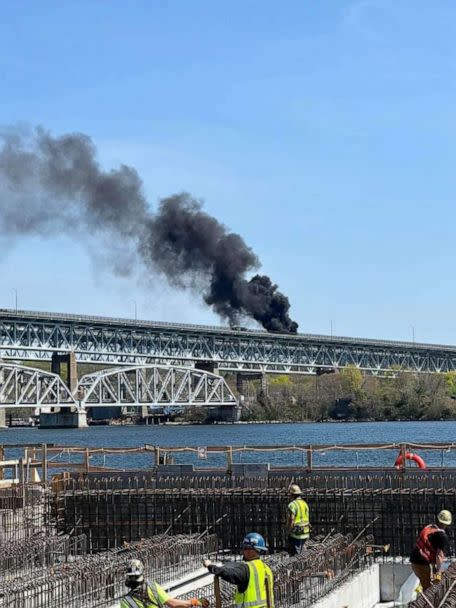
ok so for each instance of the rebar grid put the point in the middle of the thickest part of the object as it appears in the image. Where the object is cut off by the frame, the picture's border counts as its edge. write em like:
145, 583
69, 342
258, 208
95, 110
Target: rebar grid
98, 580
324, 563
302, 579
24, 512
110, 517
309, 480
441, 595
38, 553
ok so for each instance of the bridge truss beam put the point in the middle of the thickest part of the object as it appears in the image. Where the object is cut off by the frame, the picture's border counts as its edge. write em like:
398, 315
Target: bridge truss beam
22, 386
154, 385
35, 336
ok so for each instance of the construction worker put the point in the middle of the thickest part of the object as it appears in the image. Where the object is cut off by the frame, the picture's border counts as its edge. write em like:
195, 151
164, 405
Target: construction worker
298, 521
143, 594
430, 550
252, 577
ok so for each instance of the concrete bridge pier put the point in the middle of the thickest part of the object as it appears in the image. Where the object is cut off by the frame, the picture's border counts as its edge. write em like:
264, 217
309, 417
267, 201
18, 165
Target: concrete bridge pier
225, 413
207, 366
72, 368
63, 418
243, 377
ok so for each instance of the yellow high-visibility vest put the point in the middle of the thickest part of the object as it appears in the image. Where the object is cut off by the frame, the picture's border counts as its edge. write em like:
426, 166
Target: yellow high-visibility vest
301, 527
255, 596
156, 595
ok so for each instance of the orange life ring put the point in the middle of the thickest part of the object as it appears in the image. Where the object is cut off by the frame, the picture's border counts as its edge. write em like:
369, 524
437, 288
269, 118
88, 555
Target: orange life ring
410, 456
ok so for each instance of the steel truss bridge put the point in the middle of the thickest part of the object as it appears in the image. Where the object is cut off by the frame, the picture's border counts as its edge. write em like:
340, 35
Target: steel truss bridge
37, 335
150, 385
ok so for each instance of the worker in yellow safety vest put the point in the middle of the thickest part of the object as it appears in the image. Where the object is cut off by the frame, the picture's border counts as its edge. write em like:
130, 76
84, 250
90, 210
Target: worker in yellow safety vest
143, 594
297, 521
252, 577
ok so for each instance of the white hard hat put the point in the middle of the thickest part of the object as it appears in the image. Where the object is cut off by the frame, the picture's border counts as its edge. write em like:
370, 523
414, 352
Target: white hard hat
135, 569
295, 489
445, 517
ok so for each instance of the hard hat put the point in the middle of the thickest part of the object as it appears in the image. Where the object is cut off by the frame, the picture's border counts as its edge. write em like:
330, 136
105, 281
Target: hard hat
253, 540
445, 518
295, 490
135, 569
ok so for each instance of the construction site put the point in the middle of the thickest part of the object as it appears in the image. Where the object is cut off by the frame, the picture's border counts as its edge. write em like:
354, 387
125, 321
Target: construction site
69, 527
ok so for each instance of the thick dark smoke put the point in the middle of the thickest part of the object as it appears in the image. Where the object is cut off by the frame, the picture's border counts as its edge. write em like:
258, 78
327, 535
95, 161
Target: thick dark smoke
51, 185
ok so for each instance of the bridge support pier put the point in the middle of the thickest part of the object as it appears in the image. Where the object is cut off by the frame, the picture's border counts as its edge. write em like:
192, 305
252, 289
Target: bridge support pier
243, 377
72, 367
105, 413
207, 366
225, 413
65, 418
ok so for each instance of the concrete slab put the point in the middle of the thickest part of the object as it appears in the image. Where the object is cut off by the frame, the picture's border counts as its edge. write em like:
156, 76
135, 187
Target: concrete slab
359, 591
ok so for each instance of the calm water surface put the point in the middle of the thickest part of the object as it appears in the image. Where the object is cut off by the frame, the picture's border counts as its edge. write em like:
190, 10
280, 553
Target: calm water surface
251, 434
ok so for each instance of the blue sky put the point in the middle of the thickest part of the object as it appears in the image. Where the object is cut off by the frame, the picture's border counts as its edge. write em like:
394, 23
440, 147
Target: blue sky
322, 131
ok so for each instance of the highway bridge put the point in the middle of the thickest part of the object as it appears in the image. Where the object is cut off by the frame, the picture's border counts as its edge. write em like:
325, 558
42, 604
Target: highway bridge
27, 335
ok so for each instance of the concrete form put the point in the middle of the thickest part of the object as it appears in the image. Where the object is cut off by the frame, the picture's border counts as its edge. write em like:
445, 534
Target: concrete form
378, 586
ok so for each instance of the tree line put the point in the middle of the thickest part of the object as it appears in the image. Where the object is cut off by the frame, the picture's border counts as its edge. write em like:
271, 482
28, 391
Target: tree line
348, 394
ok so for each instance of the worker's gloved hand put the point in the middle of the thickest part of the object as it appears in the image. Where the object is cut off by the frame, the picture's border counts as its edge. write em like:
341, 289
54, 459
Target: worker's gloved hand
204, 602
206, 563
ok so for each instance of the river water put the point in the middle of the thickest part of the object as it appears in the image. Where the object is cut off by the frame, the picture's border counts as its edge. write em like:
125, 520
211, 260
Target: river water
249, 434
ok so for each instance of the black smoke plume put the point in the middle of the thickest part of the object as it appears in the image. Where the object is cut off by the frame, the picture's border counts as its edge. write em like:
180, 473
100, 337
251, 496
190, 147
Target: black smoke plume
51, 185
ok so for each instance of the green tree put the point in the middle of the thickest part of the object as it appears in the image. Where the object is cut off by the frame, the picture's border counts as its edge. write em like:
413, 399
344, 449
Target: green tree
281, 380
351, 379
450, 380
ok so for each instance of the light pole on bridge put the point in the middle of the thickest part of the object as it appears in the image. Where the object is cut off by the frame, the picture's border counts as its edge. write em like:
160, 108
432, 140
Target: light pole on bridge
136, 309
15, 297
